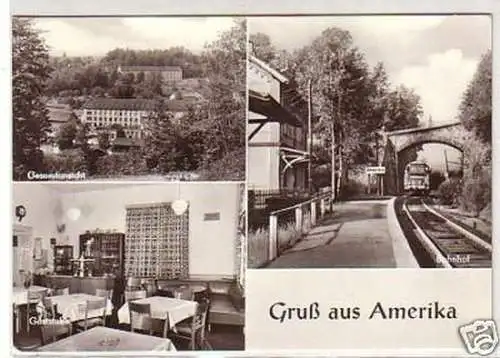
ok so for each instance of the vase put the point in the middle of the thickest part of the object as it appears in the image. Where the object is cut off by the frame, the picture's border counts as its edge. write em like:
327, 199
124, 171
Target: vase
27, 284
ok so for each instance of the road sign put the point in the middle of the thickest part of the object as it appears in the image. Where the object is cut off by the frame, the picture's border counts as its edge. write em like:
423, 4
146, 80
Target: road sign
375, 170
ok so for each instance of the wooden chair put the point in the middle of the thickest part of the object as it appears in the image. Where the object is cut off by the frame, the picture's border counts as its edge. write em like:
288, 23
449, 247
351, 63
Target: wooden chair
194, 327
52, 332
140, 317
15, 317
61, 291
104, 293
150, 287
34, 299
133, 284
94, 306
204, 297
135, 295
165, 293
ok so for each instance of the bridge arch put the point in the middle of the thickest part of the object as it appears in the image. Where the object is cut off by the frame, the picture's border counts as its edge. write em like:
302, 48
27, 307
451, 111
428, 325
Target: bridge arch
397, 142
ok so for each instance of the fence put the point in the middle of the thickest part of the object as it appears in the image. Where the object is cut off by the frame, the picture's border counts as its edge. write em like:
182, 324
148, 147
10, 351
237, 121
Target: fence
286, 227
259, 199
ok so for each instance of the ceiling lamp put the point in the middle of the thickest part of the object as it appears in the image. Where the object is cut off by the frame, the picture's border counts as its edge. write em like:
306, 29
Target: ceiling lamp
73, 214
179, 207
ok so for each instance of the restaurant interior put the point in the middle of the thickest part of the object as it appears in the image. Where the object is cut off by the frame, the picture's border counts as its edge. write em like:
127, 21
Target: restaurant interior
120, 267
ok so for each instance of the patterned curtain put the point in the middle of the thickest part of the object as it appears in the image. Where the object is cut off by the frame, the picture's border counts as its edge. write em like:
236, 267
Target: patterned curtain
156, 242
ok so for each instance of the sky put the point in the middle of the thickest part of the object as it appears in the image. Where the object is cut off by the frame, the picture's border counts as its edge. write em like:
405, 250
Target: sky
435, 55
96, 36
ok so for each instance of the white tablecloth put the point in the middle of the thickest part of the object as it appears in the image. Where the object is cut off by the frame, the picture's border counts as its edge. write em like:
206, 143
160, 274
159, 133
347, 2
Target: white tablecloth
20, 294
108, 339
172, 309
68, 306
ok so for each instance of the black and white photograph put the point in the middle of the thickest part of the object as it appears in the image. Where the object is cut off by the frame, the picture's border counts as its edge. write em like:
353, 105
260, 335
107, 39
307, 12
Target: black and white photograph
128, 267
369, 141
132, 98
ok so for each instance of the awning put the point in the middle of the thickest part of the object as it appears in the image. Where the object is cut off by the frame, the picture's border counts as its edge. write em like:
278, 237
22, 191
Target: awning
267, 106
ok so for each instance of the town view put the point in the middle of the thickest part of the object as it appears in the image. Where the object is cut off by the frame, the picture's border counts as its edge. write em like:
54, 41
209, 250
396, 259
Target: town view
115, 99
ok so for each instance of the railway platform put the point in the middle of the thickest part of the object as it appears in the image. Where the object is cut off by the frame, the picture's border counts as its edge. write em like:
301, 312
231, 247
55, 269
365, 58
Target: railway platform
356, 235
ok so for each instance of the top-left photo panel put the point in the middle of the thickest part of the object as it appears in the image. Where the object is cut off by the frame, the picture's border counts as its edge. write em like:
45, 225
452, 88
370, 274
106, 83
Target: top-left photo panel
128, 98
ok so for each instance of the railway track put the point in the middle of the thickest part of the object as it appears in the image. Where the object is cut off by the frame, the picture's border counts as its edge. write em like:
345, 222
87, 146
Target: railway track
448, 244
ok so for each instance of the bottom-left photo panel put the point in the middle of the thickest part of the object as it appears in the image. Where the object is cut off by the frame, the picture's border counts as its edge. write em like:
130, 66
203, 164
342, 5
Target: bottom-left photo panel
128, 267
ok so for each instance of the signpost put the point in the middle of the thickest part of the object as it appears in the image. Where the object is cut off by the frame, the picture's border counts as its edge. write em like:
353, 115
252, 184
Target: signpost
378, 171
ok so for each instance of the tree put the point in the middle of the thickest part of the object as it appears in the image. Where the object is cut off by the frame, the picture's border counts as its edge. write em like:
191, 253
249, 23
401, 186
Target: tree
225, 61
104, 140
66, 137
30, 71
160, 140
475, 108
261, 47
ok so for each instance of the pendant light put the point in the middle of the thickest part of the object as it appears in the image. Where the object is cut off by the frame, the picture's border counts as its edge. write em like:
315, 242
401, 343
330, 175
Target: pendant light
73, 212
179, 206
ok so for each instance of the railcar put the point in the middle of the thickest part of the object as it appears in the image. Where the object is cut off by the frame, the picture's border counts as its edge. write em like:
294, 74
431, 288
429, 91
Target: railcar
417, 177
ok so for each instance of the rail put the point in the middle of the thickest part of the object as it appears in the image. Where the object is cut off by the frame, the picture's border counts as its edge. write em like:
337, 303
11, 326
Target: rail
288, 225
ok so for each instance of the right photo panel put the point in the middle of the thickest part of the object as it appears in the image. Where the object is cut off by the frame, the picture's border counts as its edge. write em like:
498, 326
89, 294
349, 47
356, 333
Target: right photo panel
369, 183
369, 142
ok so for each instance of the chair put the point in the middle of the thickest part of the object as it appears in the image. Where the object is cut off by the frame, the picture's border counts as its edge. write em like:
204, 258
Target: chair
191, 328
133, 284
52, 332
61, 291
104, 293
140, 317
34, 300
15, 317
93, 306
135, 295
165, 293
203, 297
150, 287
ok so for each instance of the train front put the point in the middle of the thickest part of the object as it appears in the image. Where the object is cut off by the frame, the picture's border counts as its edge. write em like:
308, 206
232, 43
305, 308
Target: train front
417, 178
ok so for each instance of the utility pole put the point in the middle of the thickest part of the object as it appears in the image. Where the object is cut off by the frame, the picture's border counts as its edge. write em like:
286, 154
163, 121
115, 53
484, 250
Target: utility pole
339, 103
309, 135
333, 160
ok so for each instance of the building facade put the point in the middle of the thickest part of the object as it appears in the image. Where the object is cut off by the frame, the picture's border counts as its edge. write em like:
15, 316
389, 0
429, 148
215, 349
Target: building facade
105, 114
277, 127
167, 73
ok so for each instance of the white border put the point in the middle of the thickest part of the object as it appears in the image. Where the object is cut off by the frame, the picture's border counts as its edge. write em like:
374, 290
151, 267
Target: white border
239, 7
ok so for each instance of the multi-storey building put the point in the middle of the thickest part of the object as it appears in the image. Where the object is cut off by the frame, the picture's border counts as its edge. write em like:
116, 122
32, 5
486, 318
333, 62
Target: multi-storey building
167, 73
109, 113
277, 127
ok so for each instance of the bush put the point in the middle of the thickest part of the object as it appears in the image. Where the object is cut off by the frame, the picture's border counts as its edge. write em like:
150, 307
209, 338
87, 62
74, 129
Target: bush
229, 167
119, 164
68, 161
449, 191
476, 194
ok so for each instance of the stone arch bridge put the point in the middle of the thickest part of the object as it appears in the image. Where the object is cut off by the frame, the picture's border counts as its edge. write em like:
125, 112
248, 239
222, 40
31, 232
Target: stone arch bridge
396, 142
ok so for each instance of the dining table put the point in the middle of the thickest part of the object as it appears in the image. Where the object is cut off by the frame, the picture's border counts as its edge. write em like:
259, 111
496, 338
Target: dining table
172, 310
20, 294
109, 339
71, 306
